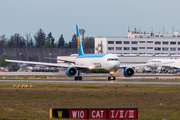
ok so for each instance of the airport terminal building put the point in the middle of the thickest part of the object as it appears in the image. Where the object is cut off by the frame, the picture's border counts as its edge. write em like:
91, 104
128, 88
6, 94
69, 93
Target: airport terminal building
139, 47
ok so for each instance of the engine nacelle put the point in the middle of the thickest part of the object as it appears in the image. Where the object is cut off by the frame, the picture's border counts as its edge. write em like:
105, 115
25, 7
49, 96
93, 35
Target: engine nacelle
71, 71
128, 72
159, 68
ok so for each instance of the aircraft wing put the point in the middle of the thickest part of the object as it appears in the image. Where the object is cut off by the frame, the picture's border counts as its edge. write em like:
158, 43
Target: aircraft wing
146, 64
48, 64
66, 61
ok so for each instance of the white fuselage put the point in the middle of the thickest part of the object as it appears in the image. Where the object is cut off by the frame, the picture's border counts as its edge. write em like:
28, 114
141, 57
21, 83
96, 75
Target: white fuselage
109, 62
172, 62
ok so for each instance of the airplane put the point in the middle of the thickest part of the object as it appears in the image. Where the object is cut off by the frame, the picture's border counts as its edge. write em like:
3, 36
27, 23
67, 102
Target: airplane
173, 63
98, 63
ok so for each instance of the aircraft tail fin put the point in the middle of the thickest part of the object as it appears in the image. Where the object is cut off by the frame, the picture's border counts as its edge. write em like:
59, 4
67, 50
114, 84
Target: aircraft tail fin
79, 44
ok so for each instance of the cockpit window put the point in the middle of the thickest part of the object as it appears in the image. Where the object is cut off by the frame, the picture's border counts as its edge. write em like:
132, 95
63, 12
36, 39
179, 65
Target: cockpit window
112, 59
116, 59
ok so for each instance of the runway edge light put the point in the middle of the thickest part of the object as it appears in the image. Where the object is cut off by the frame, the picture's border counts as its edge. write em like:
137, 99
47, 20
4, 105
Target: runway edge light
14, 85
50, 113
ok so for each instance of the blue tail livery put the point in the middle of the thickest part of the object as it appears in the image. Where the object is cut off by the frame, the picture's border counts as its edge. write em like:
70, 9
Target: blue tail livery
79, 44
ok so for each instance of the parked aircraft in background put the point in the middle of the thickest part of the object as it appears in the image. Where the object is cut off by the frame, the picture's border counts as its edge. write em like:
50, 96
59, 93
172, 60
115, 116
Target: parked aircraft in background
168, 64
98, 63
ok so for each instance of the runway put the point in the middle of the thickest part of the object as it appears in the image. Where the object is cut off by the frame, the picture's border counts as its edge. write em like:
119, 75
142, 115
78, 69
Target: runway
95, 81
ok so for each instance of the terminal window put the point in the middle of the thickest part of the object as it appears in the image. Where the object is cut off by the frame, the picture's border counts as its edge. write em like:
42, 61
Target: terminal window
133, 42
157, 48
126, 48
126, 42
157, 42
141, 41
118, 48
110, 42
110, 48
178, 42
134, 48
141, 47
149, 47
165, 43
173, 43
173, 49
165, 49
178, 49
118, 42
149, 41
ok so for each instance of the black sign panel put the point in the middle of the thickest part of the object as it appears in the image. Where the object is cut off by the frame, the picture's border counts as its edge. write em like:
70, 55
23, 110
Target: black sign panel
60, 113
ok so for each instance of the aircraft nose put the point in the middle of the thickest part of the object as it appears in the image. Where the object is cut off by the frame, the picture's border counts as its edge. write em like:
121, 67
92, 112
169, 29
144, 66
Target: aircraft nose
116, 66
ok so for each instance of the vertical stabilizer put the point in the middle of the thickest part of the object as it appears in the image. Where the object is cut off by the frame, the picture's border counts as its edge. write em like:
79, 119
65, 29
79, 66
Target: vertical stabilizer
79, 44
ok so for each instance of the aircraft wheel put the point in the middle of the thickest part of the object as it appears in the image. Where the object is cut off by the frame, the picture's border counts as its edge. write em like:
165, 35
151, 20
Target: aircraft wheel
111, 78
76, 78
80, 78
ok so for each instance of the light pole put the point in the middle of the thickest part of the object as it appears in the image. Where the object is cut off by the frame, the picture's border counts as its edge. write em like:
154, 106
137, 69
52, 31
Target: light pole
50, 56
20, 56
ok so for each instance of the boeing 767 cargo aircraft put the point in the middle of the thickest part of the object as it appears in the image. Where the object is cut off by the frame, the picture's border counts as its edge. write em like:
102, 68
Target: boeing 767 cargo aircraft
109, 63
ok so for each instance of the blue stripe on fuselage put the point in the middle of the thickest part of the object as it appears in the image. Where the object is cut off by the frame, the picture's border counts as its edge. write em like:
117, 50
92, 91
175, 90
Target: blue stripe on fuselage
91, 55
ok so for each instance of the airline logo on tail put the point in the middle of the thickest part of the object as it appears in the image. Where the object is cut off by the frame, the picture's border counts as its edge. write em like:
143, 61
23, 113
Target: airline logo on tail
79, 45
78, 42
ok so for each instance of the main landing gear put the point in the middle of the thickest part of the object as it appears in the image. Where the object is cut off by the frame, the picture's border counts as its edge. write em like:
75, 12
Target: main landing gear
78, 77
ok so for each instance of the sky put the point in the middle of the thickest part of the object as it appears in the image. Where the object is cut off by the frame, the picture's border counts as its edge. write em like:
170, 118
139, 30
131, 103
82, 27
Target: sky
100, 18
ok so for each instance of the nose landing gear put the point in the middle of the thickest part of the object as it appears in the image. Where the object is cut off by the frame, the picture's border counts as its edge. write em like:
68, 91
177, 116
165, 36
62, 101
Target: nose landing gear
111, 78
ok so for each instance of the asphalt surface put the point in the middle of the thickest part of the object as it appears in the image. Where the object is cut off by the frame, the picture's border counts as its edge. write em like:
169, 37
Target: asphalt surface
90, 81
97, 78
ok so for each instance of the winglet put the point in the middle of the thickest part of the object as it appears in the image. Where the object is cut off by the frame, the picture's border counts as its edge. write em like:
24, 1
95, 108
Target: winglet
79, 45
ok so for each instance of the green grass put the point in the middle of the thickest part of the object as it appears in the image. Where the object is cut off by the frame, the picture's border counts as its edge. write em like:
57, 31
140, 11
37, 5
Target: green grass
90, 87
34, 103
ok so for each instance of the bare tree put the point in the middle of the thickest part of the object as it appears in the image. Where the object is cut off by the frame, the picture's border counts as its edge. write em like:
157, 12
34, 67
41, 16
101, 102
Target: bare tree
3, 40
28, 37
16, 41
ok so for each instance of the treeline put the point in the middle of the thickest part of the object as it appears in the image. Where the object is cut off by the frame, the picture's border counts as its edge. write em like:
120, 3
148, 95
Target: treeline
40, 40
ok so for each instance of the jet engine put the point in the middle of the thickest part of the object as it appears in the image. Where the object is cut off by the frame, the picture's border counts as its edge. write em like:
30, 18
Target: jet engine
71, 71
159, 68
128, 72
